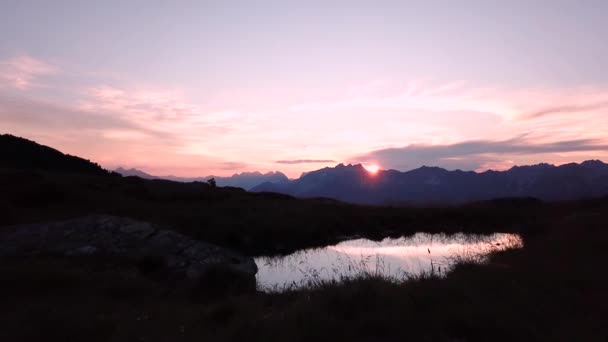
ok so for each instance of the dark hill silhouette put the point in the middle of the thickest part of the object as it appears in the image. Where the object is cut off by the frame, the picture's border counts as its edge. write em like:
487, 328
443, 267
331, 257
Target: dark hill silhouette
23, 154
245, 180
352, 183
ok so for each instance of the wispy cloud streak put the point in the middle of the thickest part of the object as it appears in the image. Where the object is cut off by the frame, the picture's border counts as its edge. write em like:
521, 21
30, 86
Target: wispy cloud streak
21, 72
568, 109
305, 161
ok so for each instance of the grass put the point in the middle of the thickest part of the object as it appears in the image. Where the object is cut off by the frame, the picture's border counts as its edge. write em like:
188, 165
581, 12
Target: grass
554, 289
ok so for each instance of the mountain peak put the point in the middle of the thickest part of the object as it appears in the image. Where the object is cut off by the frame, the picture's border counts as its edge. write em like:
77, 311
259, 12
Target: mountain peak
540, 166
594, 163
347, 166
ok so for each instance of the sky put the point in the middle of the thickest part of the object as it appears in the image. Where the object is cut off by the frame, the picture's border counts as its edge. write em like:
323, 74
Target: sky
193, 88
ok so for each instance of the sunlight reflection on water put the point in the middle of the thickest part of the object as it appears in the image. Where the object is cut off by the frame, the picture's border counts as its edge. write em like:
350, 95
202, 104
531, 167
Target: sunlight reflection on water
397, 259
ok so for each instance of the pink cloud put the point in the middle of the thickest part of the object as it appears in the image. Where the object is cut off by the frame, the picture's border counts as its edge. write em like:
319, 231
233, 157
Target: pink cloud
481, 155
190, 131
21, 72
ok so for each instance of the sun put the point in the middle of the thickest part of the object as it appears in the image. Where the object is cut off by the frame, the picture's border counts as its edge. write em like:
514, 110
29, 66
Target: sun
372, 168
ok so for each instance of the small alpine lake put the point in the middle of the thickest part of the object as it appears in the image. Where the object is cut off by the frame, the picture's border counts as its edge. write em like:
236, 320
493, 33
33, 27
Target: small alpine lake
393, 258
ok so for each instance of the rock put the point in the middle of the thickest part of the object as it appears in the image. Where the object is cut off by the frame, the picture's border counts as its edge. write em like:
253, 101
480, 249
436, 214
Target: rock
123, 238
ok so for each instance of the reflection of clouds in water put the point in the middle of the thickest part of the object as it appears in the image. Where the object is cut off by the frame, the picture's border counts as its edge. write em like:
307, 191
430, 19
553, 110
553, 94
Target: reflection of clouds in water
394, 258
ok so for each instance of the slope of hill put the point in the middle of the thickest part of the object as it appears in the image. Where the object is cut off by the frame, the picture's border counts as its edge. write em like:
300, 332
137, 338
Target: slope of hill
23, 154
352, 183
245, 180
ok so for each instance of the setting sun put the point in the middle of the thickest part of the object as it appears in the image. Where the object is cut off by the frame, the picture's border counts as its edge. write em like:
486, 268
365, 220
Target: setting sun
372, 168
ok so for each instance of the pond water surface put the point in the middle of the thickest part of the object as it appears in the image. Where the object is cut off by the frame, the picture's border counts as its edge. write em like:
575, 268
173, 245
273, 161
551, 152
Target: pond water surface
396, 259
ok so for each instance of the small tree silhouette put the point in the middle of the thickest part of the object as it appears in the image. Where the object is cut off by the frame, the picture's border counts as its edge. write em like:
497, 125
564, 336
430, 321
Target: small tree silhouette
211, 182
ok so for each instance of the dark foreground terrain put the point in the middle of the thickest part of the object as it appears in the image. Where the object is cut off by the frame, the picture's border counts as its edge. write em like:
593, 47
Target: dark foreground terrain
554, 289
252, 223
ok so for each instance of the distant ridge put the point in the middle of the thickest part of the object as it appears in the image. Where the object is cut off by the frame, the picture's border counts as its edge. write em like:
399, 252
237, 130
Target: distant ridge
426, 185
23, 154
353, 183
134, 173
245, 180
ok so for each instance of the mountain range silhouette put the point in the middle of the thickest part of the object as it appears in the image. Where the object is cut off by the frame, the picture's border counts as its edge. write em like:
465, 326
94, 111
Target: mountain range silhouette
244, 180
354, 184
428, 185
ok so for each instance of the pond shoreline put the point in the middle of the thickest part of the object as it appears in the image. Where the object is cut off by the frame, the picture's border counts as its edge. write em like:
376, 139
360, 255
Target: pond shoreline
396, 259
